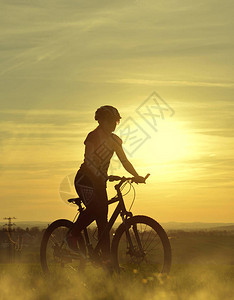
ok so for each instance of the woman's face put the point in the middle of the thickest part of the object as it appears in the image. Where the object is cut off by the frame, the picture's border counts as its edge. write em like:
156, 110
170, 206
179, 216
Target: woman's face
109, 125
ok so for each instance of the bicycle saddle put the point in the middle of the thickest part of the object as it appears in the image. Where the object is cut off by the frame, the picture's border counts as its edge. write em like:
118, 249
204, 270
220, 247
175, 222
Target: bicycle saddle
76, 201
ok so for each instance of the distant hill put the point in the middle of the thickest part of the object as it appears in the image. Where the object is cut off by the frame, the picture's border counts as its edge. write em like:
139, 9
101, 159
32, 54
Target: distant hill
166, 226
228, 228
198, 226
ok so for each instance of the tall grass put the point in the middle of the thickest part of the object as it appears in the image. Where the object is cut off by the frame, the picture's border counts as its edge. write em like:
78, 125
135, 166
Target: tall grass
202, 269
26, 281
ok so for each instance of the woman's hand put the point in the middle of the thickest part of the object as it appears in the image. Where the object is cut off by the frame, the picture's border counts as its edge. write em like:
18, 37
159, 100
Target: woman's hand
139, 179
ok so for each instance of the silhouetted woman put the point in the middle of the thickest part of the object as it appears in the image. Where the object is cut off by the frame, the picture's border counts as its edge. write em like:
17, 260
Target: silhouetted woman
90, 180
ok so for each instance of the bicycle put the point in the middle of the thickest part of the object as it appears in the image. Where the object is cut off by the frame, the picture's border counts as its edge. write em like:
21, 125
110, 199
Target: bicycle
139, 244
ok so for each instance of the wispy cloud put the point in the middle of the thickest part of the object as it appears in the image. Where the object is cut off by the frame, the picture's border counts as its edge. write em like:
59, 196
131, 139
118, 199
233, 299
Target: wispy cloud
61, 59
173, 83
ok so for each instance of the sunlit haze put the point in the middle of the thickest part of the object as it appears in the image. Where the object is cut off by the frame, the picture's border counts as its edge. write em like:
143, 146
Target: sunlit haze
61, 60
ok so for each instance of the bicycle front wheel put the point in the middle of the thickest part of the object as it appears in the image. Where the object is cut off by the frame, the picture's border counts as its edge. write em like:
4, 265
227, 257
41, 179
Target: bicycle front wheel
55, 255
141, 246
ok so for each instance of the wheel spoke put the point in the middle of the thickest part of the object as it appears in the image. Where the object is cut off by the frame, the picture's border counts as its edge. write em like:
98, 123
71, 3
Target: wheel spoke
156, 254
151, 243
147, 239
55, 254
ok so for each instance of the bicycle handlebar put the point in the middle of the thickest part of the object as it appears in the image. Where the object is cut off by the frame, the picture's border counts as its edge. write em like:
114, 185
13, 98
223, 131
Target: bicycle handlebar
123, 179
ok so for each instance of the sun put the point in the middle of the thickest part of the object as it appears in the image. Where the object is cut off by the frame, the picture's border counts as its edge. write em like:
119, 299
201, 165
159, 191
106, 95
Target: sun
171, 142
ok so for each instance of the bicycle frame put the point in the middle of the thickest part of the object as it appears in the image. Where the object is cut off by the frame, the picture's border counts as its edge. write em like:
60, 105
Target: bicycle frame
128, 244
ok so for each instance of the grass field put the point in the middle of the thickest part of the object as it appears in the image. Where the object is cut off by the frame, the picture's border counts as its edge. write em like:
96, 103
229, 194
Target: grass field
202, 268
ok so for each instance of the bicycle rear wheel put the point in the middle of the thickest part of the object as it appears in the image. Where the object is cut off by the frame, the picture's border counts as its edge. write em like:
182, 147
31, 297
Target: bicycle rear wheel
141, 246
55, 255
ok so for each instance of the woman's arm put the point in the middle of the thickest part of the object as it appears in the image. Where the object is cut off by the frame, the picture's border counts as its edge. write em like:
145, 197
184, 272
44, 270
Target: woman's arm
126, 163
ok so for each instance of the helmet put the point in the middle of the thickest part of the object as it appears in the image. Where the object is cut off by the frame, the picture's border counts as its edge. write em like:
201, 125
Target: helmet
107, 112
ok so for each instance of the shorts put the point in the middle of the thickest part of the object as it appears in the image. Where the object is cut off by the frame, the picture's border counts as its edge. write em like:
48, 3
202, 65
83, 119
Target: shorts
84, 188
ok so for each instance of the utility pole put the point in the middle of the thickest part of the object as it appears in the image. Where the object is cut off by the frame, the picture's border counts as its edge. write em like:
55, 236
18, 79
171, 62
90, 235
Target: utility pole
9, 229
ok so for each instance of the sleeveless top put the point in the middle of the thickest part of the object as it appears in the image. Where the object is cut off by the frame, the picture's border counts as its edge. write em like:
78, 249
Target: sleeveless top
104, 146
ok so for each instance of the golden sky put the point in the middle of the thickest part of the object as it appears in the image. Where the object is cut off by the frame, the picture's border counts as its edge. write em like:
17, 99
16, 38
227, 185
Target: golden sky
61, 60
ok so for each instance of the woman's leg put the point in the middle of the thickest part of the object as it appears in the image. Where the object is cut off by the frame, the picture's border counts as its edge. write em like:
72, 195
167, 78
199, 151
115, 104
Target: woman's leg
96, 209
102, 222
85, 190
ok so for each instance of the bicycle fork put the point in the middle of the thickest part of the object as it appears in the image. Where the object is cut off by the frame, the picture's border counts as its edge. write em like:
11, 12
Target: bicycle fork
132, 250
